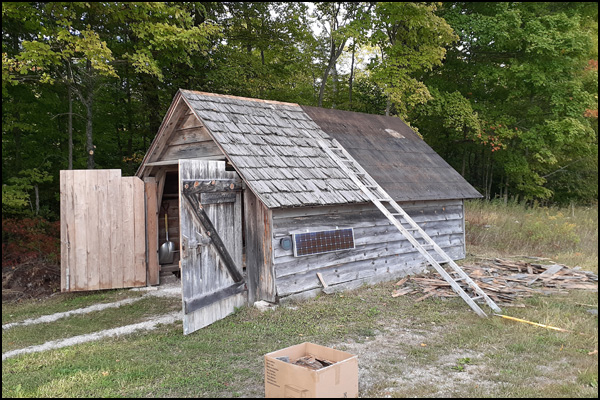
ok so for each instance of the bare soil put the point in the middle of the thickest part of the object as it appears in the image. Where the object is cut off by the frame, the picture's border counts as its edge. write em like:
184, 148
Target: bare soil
35, 279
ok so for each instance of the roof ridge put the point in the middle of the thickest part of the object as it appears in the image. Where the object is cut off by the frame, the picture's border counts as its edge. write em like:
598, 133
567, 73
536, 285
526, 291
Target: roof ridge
229, 96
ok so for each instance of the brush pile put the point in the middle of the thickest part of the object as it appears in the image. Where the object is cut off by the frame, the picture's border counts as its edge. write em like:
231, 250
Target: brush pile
504, 281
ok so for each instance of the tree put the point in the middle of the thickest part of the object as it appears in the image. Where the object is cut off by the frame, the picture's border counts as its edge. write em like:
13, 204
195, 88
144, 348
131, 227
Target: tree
522, 68
411, 39
71, 46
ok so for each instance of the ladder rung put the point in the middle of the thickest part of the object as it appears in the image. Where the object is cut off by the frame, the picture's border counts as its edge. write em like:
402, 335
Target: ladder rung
386, 200
476, 297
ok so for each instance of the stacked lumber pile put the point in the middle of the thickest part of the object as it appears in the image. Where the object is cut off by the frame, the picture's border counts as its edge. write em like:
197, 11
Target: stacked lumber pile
504, 281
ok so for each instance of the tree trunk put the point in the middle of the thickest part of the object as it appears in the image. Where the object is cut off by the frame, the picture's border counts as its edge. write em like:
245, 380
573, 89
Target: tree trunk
334, 54
490, 181
150, 88
388, 106
334, 76
70, 128
129, 125
17, 135
37, 199
89, 132
464, 163
323, 83
351, 75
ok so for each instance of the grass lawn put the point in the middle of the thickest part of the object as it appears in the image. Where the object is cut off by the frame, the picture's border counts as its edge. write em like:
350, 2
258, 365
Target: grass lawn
432, 348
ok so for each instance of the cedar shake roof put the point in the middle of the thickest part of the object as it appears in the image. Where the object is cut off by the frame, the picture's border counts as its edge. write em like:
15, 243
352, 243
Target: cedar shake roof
394, 155
271, 144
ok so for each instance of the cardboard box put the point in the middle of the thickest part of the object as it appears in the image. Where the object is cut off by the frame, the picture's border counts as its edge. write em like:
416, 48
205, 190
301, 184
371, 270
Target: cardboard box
284, 379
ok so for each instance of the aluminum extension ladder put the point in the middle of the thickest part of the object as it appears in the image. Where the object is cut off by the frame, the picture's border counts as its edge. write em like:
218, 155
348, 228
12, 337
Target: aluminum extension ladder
398, 216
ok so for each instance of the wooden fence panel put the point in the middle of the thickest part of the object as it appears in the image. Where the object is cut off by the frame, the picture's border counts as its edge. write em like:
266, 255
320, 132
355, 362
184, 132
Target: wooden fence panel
103, 230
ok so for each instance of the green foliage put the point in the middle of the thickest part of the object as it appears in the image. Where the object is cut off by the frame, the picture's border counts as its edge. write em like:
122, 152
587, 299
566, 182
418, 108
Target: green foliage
16, 194
412, 40
505, 92
524, 69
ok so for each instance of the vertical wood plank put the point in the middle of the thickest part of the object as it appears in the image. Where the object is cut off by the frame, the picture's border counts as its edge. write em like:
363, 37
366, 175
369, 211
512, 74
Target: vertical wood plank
115, 215
71, 236
202, 271
152, 231
105, 227
93, 232
259, 258
236, 224
63, 231
160, 180
80, 207
139, 208
66, 226
128, 230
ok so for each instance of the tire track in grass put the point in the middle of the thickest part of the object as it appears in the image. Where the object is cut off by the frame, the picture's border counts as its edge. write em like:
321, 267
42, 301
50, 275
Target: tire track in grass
54, 317
163, 292
122, 330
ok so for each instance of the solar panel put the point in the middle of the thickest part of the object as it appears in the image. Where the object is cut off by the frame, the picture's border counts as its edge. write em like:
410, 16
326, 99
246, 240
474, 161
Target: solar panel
309, 243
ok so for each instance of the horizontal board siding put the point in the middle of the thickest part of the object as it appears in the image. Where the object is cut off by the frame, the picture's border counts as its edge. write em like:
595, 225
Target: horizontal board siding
192, 150
291, 265
392, 266
381, 250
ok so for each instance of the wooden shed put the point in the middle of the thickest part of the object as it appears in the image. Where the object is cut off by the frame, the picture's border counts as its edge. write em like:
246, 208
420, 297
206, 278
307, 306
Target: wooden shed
246, 187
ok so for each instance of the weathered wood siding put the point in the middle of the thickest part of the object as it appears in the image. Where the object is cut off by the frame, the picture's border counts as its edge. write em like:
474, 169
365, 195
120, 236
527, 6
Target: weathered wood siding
188, 139
381, 252
259, 248
150, 188
103, 230
202, 268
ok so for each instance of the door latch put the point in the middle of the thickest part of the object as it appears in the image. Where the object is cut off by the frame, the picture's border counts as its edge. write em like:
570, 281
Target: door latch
195, 243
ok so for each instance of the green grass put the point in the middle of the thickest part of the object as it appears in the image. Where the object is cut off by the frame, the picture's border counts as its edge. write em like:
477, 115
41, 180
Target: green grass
419, 346
23, 336
61, 302
568, 236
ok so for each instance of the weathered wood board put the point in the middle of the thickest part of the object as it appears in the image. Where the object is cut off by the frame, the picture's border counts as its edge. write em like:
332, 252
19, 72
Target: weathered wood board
381, 253
209, 292
103, 230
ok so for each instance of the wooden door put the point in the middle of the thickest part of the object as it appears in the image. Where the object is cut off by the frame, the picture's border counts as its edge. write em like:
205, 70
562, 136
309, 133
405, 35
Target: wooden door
104, 241
210, 219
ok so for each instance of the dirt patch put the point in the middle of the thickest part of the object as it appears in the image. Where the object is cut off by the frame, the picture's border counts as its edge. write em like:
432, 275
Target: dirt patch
387, 365
34, 279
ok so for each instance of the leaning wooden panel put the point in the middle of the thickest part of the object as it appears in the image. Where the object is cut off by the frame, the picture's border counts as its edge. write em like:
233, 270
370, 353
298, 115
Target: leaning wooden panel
128, 229
93, 232
80, 207
115, 215
104, 230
